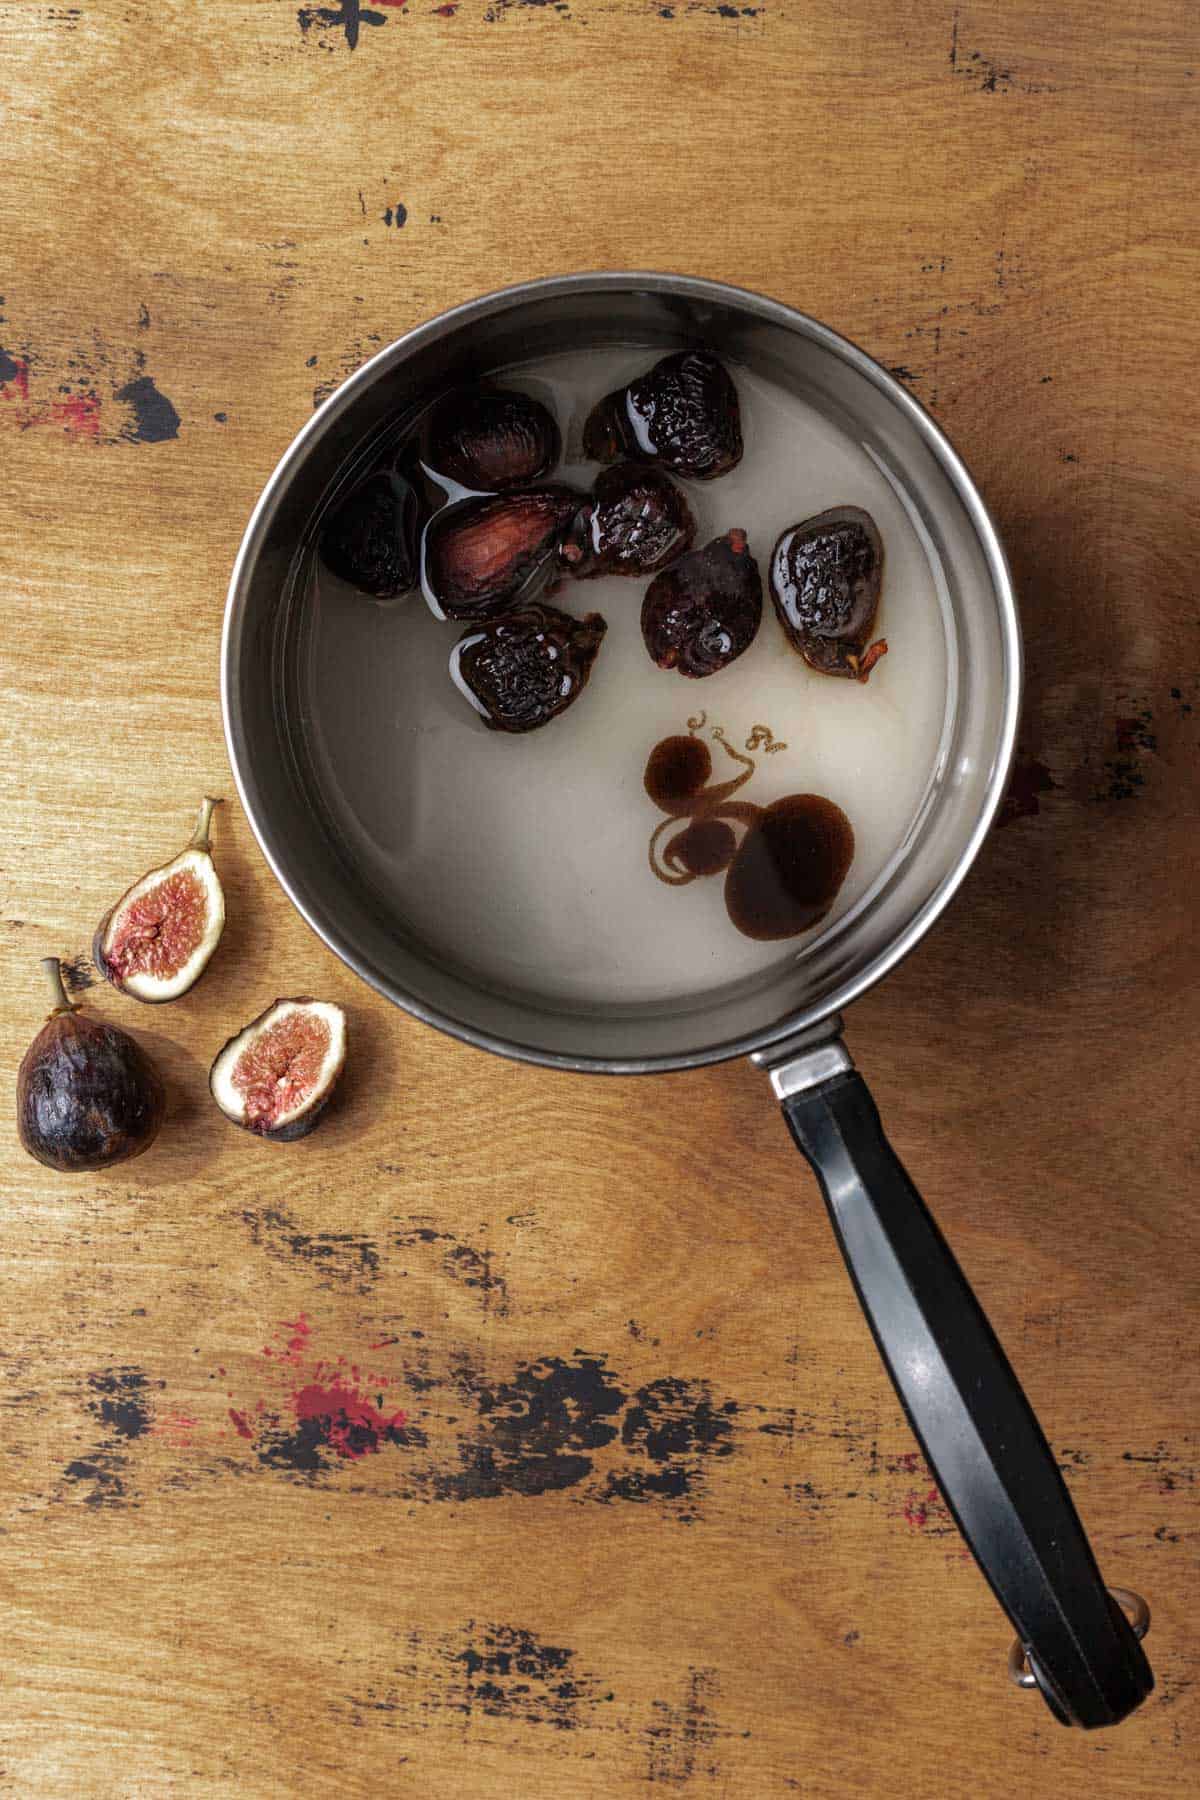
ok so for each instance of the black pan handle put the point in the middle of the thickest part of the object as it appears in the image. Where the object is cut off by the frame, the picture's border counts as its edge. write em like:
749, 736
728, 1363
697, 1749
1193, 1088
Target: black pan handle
975, 1426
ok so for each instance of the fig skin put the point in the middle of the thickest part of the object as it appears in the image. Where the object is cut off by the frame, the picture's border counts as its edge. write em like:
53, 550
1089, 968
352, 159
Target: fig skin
826, 579
635, 522
682, 414
512, 669
492, 440
88, 1096
699, 615
484, 554
371, 539
199, 843
305, 1121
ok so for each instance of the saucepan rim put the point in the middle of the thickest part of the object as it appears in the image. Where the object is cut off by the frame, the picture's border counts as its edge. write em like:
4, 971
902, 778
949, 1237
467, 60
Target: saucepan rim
703, 291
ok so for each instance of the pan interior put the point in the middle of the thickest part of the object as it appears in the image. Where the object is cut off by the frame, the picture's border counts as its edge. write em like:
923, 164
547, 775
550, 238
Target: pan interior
366, 777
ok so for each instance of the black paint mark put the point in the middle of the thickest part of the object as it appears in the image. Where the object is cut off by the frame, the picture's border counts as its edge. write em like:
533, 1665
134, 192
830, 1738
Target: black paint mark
555, 1424
332, 1437
221, 418
10, 367
338, 1258
345, 364
1123, 777
78, 972
396, 215
509, 1674
154, 418
673, 1425
104, 1469
143, 318
1067, 456
347, 17
535, 1432
122, 1402
680, 1739
986, 76
1171, 1471
464, 1264
902, 372
1029, 779
489, 1670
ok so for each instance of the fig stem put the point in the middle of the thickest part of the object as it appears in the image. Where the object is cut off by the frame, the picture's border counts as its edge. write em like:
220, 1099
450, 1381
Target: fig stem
200, 839
60, 999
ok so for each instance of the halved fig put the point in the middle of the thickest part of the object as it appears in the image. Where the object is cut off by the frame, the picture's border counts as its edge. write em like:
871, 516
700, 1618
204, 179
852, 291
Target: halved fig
276, 1076
88, 1095
826, 576
157, 940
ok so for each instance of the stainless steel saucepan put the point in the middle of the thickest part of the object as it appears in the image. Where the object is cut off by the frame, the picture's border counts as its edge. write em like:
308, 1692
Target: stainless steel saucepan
1074, 1639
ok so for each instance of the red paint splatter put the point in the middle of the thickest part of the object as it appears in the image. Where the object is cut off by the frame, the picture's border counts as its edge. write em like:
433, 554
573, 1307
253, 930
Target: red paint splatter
916, 1509
337, 1405
79, 416
397, 4
1029, 779
296, 1345
176, 1428
349, 1424
445, 12
383, 1343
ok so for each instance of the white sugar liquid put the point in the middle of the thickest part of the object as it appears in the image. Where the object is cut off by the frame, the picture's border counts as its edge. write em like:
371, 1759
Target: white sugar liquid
523, 859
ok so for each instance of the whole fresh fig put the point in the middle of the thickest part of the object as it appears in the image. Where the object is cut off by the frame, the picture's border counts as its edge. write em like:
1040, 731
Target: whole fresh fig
88, 1096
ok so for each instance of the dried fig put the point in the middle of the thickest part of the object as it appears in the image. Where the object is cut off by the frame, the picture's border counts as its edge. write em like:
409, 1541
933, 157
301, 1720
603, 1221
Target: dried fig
483, 554
371, 538
491, 440
702, 612
521, 670
826, 576
636, 521
276, 1076
682, 413
157, 940
88, 1096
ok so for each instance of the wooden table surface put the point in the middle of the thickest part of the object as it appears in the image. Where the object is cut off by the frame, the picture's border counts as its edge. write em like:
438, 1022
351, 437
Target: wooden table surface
652, 1516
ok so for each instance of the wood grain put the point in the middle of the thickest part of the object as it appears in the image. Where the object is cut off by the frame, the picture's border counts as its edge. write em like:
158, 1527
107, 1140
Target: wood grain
650, 1518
